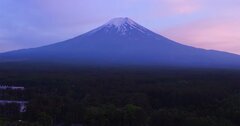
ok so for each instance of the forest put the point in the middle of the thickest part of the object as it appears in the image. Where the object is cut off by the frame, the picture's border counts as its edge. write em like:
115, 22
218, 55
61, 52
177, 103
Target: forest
122, 97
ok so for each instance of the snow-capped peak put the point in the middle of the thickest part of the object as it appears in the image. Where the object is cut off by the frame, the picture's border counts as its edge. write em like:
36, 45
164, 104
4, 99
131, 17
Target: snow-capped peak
118, 22
122, 26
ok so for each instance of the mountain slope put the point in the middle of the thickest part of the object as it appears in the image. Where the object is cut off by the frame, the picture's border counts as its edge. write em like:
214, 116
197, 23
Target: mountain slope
123, 42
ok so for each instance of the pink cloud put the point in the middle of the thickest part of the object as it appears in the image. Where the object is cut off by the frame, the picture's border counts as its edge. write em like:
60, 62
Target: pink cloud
176, 7
210, 34
183, 6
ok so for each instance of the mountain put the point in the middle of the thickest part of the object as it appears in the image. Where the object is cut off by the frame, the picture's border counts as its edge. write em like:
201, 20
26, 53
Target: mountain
123, 42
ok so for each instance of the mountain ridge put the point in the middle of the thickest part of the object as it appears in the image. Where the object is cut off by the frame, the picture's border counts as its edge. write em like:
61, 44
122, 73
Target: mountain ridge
123, 42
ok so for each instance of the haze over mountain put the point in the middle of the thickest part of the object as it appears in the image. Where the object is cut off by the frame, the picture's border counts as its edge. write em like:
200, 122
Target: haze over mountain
123, 42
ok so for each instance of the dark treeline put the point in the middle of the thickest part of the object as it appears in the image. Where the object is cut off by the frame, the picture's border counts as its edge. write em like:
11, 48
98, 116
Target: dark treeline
113, 97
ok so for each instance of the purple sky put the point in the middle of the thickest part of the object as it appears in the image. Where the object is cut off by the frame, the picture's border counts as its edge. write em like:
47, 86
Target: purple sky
209, 24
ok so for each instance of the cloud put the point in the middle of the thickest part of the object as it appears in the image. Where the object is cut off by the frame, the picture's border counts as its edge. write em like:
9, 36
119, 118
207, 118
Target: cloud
210, 34
175, 7
183, 6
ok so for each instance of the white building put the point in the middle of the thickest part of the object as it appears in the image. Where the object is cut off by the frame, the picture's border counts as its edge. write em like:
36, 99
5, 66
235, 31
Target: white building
22, 104
4, 87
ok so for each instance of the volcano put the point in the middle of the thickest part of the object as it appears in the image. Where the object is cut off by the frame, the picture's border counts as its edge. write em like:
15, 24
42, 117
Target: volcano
123, 42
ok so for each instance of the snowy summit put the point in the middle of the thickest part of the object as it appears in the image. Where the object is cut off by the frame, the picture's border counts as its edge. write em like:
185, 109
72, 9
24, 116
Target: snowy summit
122, 26
119, 22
